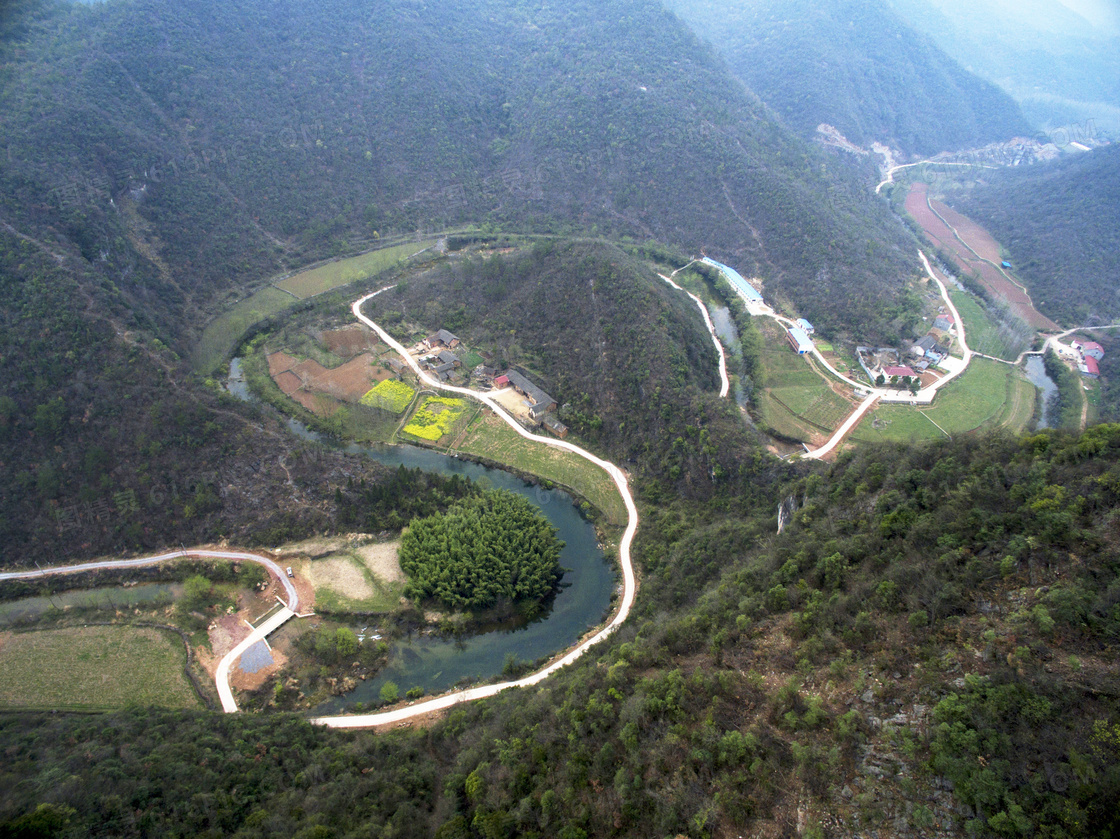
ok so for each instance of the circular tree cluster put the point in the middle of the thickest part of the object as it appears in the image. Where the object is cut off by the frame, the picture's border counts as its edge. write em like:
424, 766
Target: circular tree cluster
487, 549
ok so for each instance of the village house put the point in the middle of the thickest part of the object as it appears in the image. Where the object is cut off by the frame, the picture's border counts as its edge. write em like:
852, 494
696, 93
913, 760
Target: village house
900, 372
540, 402
799, 340
555, 426
1090, 349
1089, 367
943, 322
808, 328
442, 338
448, 357
929, 348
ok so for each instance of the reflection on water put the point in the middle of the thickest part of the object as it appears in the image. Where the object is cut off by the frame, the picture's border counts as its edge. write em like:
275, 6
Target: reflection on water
1036, 374
436, 664
114, 598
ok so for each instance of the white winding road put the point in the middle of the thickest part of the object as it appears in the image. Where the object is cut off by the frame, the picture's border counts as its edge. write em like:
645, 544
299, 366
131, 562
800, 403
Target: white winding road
725, 382
221, 678
628, 579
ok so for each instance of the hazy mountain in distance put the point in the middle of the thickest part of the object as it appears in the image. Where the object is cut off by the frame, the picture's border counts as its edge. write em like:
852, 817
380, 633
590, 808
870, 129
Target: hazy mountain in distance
857, 66
1061, 61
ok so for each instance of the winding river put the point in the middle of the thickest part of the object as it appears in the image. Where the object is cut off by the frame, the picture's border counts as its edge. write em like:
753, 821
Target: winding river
437, 664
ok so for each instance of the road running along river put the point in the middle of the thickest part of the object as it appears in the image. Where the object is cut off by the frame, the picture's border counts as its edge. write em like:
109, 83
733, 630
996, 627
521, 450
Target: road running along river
437, 664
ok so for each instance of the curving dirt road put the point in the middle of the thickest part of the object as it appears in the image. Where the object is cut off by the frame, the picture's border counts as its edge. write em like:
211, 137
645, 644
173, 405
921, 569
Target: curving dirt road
725, 382
116, 564
629, 581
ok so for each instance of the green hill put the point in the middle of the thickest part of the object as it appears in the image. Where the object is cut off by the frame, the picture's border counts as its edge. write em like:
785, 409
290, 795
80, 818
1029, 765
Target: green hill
1050, 220
931, 642
859, 67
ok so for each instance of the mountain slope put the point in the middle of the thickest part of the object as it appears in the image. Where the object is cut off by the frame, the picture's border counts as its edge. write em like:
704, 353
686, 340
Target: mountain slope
237, 141
1060, 66
856, 66
1054, 221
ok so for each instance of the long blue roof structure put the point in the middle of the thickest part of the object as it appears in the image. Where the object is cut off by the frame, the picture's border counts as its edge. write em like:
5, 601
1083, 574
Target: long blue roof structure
736, 279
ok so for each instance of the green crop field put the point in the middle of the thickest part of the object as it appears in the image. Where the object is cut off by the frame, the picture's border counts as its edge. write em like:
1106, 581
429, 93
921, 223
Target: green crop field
983, 335
493, 439
93, 668
222, 336
989, 395
435, 418
390, 395
345, 271
796, 400
828, 411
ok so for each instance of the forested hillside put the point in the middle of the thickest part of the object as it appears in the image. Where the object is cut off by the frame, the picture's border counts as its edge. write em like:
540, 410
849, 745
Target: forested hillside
1059, 223
626, 357
856, 66
157, 161
930, 644
237, 140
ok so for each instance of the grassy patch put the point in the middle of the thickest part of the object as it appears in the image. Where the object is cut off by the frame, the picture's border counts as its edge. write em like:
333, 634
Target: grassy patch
390, 395
333, 594
796, 401
493, 439
345, 271
94, 668
222, 336
435, 418
984, 335
989, 394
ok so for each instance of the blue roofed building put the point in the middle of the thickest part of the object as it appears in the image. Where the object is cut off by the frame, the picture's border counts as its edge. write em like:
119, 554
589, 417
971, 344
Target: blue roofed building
737, 280
800, 342
806, 326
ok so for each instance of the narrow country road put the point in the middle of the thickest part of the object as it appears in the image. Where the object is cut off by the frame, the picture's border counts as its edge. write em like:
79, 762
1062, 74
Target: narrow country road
221, 677
725, 382
628, 579
117, 564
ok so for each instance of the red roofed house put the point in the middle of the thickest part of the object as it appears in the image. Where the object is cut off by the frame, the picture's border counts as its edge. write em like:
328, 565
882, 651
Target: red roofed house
890, 372
1089, 367
1091, 349
501, 381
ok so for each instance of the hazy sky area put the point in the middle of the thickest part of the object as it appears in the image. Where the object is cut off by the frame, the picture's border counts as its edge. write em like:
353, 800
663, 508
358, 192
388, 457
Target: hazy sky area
1102, 13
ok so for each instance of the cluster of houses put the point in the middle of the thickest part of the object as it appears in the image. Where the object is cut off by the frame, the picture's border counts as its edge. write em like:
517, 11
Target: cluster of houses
443, 363
1089, 352
929, 351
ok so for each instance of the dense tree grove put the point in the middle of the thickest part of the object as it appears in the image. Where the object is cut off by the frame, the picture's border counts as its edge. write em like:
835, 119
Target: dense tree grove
485, 550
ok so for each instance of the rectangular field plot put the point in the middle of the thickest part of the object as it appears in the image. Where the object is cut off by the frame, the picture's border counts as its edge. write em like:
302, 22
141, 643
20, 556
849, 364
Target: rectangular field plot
93, 668
345, 271
390, 395
435, 418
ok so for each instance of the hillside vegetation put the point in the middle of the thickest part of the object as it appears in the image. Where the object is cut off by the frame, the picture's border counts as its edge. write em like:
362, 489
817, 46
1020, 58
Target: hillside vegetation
859, 67
930, 642
1050, 220
627, 358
